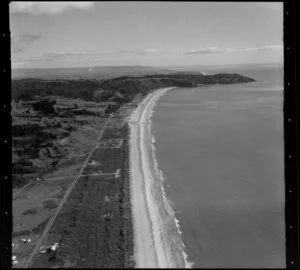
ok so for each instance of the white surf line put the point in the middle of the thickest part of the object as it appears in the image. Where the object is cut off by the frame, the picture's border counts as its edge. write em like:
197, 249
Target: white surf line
149, 248
163, 255
162, 237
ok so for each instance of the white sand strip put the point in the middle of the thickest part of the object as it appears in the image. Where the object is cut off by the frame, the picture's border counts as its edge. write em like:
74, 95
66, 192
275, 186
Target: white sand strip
150, 247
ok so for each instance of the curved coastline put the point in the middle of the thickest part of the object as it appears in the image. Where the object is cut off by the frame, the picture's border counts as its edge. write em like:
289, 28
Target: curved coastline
157, 236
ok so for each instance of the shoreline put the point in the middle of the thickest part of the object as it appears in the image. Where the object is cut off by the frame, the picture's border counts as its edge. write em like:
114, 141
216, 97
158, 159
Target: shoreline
157, 236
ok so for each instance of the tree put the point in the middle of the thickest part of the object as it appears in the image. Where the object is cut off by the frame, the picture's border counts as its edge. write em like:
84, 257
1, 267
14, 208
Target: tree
44, 106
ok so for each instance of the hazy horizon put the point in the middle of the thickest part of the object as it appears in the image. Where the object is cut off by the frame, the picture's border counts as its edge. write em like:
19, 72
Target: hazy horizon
157, 34
162, 66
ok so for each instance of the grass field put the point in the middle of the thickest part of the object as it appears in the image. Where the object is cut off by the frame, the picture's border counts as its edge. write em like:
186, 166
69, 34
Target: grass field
31, 210
94, 226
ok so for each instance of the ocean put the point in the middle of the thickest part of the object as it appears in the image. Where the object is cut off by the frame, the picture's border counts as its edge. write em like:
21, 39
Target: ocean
220, 150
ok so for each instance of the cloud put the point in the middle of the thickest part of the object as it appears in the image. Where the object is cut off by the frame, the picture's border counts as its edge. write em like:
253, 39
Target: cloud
137, 52
205, 50
21, 38
16, 50
77, 56
17, 59
150, 51
92, 57
270, 47
54, 56
63, 56
271, 5
209, 50
47, 7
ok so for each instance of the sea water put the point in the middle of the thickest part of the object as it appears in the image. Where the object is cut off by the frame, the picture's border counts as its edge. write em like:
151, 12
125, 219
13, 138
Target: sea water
220, 150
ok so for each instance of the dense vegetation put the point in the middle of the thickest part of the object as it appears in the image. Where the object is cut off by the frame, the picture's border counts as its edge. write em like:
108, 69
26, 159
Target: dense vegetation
25, 89
37, 140
120, 90
44, 106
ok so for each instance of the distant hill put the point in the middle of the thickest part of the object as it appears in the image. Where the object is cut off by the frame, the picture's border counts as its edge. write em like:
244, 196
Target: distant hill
121, 89
86, 73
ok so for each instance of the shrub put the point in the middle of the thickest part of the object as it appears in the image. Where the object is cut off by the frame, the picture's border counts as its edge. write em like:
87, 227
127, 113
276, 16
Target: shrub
44, 106
19, 181
50, 204
21, 233
40, 228
31, 211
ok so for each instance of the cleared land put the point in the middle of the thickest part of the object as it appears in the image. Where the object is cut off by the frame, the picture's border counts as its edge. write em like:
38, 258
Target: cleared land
32, 209
48, 152
57, 211
94, 226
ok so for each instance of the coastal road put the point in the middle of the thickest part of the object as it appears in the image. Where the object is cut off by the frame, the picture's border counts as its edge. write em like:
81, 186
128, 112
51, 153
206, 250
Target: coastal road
51, 221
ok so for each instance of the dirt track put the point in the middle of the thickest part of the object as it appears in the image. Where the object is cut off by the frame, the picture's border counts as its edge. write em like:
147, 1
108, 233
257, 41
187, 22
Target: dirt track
94, 227
57, 211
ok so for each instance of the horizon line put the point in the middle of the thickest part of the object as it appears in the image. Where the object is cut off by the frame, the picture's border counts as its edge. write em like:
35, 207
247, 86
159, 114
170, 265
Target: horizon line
163, 66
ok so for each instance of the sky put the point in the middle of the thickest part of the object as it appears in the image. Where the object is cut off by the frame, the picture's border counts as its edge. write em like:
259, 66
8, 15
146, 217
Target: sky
86, 34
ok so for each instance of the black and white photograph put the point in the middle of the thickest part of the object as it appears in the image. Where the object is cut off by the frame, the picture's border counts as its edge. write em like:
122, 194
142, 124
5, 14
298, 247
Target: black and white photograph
147, 134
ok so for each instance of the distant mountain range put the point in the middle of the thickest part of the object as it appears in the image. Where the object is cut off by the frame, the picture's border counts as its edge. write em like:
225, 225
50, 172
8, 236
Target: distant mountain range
87, 73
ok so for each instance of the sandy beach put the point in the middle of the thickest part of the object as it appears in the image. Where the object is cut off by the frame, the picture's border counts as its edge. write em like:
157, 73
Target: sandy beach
157, 241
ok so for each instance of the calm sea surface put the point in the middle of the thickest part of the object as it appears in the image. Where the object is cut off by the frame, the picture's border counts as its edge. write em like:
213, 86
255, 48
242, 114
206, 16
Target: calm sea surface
221, 150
